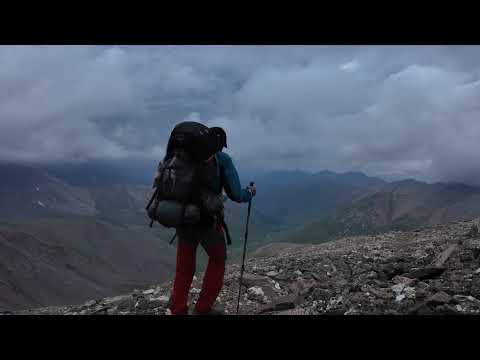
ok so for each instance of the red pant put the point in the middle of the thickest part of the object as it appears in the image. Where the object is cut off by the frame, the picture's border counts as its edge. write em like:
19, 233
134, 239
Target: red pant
213, 279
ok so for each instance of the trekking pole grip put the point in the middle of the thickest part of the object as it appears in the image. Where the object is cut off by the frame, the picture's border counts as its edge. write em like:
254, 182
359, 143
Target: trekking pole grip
251, 184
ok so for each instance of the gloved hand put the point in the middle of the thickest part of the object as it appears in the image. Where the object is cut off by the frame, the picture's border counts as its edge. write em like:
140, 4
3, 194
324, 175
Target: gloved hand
252, 189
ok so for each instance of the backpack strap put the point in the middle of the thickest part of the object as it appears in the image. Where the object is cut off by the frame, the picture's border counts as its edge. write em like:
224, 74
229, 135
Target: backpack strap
219, 172
173, 238
225, 228
217, 162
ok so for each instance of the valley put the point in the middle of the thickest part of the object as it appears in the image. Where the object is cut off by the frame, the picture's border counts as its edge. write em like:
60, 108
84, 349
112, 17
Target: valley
63, 242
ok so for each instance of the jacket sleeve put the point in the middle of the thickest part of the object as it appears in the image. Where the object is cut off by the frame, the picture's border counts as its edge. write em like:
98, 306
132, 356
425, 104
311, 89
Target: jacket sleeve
231, 182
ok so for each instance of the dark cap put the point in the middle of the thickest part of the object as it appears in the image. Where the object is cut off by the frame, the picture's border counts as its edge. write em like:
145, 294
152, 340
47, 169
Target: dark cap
221, 135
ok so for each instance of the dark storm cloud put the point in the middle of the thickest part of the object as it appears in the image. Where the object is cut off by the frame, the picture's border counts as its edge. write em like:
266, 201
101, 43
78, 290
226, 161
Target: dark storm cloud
386, 110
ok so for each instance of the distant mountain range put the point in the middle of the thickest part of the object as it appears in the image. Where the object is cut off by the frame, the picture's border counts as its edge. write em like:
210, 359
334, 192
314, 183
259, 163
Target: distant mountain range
400, 205
295, 197
105, 173
68, 236
412, 203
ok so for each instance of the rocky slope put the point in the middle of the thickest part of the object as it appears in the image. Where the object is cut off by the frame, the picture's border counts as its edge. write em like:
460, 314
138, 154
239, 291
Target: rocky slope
435, 270
55, 261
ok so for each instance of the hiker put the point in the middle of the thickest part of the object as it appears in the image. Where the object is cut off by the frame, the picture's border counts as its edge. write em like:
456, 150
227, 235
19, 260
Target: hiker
216, 173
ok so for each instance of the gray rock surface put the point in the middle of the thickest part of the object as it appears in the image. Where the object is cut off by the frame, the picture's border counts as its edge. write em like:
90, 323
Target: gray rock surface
393, 273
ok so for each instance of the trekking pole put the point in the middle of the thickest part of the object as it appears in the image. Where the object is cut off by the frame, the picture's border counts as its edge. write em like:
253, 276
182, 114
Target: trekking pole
244, 252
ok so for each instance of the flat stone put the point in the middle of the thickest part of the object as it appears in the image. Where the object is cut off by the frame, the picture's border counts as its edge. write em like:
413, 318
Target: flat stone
255, 291
440, 297
272, 273
100, 311
301, 286
163, 299
445, 255
115, 299
445, 310
425, 273
403, 280
464, 298
282, 303
281, 277
126, 304
149, 305
148, 292
250, 280
90, 303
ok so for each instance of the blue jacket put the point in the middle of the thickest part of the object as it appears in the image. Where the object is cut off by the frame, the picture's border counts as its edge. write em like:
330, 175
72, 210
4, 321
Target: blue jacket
228, 179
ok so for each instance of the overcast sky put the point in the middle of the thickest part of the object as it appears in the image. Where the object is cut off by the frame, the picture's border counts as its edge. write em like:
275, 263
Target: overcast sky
410, 111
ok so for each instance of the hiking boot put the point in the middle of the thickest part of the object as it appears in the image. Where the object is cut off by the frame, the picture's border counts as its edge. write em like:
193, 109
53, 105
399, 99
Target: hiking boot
211, 312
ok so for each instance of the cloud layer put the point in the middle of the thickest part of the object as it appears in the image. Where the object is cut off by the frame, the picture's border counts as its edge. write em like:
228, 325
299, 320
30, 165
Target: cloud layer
386, 110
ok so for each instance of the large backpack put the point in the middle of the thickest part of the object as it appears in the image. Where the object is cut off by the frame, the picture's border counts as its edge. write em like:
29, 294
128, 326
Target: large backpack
179, 196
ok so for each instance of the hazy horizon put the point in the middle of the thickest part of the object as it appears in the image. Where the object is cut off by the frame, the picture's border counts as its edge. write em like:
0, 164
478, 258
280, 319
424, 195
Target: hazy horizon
140, 171
392, 112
